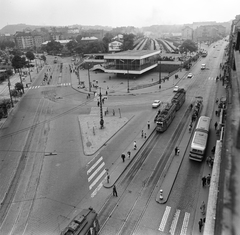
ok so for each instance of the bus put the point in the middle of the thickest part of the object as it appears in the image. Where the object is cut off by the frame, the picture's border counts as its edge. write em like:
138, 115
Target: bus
200, 137
85, 223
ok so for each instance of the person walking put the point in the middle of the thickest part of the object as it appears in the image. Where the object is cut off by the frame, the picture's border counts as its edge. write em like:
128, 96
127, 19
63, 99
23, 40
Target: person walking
108, 178
134, 145
148, 124
142, 134
208, 179
200, 225
176, 150
204, 181
160, 86
129, 154
123, 157
203, 208
114, 191
215, 125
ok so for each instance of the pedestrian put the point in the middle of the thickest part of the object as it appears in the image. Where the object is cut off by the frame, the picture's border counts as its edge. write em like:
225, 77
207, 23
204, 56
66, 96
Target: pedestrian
208, 179
142, 134
108, 178
102, 101
203, 208
113, 112
215, 125
216, 112
98, 103
134, 145
114, 191
145, 135
160, 86
148, 124
217, 101
200, 225
106, 93
204, 181
208, 160
176, 150
129, 154
123, 157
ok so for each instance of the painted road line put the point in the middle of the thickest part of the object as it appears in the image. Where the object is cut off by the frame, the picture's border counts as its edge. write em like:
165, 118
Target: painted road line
97, 179
96, 171
94, 165
174, 222
164, 218
97, 189
185, 223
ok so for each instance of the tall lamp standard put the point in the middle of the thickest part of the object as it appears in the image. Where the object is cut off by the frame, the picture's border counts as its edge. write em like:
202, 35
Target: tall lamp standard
128, 81
159, 63
89, 79
101, 112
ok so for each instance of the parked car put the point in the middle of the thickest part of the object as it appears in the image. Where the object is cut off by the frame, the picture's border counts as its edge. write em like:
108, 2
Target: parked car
156, 103
190, 75
203, 66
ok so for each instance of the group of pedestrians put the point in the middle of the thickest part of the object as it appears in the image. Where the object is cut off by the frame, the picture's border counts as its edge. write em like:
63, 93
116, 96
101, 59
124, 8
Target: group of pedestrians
206, 180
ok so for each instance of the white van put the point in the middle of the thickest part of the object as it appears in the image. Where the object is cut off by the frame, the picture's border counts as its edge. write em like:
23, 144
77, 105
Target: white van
203, 66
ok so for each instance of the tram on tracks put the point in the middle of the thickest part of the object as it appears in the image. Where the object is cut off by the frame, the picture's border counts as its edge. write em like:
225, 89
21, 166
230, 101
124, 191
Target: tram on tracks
200, 137
85, 223
164, 118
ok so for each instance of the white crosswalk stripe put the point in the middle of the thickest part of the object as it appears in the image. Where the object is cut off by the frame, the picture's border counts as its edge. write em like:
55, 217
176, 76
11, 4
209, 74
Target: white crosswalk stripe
211, 78
61, 84
173, 221
96, 174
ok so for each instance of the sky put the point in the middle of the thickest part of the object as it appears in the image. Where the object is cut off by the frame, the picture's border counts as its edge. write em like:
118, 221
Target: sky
115, 13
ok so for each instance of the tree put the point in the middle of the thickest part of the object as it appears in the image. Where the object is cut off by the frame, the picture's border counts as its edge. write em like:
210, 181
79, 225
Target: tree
19, 86
79, 38
30, 57
71, 45
128, 40
54, 47
43, 57
4, 106
188, 46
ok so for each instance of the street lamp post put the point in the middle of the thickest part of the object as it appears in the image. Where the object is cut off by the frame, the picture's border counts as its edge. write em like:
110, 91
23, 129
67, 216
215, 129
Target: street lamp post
128, 80
160, 80
89, 79
101, 112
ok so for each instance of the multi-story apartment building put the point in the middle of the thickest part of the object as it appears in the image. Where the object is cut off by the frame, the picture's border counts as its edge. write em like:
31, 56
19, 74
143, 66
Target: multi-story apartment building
27, 40
187, 33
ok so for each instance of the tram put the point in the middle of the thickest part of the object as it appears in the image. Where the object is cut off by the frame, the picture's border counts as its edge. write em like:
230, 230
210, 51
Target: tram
165, 118
179, 98
200, 137
85, 223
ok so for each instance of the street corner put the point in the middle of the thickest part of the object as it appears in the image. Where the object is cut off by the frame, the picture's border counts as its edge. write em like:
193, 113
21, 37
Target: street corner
93, 137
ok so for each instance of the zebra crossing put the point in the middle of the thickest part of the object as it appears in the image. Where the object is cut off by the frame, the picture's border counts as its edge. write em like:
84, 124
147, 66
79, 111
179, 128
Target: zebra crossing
60, 84
175, 221
211, 78
96, 175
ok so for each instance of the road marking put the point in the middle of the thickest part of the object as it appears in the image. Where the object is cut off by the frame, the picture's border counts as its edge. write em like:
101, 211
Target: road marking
94, 165
185, 223
97, 179
97, 189
164, 218
96, 171
174, 222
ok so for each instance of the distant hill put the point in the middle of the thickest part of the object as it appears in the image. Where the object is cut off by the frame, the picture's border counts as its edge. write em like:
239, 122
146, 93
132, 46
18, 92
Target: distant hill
12, 29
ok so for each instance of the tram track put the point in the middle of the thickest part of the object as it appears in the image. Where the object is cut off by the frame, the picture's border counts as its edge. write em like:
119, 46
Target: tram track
144, 195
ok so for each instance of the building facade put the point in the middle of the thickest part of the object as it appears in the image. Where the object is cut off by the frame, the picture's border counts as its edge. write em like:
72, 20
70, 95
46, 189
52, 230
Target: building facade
187, 33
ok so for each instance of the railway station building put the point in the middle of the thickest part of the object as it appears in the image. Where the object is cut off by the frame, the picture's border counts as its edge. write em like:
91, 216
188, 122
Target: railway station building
131, 62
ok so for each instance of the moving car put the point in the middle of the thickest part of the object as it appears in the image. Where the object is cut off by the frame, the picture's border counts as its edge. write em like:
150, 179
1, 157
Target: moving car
203, 66
189, 75
175, 89
156, 103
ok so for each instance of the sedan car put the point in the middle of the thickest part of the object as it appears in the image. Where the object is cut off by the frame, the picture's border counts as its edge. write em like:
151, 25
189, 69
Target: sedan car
156, 103
175, 89
190, 75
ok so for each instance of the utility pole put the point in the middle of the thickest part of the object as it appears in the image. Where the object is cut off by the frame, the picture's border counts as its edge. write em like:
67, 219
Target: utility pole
160, 80
101, 112
128, 80
89, 79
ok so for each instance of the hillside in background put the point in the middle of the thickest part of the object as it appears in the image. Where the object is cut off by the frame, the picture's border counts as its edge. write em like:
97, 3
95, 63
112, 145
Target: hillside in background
12, 29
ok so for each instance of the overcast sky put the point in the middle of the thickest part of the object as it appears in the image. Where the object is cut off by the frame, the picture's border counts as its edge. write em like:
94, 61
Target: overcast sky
115, 13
